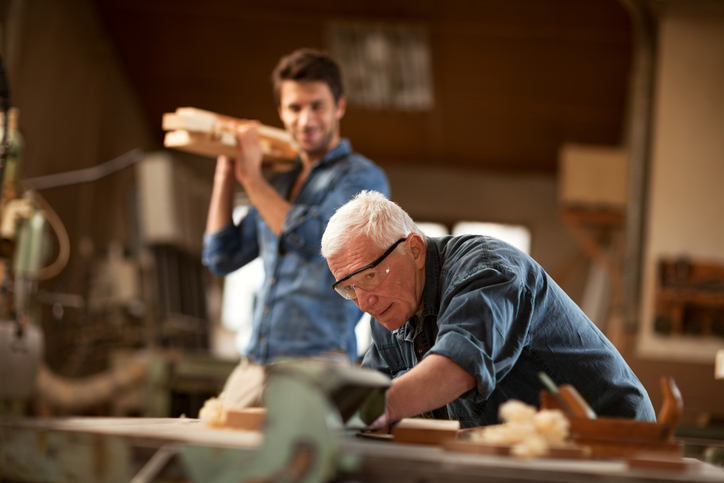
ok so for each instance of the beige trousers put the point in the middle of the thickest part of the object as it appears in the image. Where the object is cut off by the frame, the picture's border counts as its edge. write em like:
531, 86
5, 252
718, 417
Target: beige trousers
245, 385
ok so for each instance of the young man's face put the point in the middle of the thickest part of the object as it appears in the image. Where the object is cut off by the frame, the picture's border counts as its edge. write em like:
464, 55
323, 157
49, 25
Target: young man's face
396, 299
310, 114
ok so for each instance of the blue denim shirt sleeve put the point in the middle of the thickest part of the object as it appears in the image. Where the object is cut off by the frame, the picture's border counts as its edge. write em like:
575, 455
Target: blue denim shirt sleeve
486, 350
305, 223
231, 247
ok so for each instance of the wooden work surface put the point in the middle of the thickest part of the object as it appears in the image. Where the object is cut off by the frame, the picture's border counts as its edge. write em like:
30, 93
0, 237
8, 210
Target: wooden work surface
392, 462
182, 430
382, 461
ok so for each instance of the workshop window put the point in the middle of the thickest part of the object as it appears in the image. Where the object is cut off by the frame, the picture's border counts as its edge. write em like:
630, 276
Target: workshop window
384, 66
433, 229
516, 235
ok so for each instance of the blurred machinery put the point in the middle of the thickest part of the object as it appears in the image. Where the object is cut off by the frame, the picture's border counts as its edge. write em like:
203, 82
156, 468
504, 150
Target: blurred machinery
25, 246
22, 224
134, 338
21, 231
313, 411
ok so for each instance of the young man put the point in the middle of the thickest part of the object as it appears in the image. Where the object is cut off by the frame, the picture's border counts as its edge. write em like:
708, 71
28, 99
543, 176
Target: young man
462, 324
295, 314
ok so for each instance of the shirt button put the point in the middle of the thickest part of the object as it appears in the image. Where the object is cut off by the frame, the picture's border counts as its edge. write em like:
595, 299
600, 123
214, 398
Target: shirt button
419, 351
266, 310
272, 281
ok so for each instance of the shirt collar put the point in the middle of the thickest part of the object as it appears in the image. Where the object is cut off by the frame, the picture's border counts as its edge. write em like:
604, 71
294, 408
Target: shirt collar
430, 293
433, 268
342, 149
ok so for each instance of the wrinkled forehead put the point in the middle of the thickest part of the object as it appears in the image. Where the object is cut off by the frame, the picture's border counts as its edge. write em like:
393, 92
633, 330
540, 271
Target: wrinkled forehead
357, 252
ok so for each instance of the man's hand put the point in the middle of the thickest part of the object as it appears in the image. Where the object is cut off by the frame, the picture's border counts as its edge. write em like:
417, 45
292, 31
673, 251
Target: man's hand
248, 151
222, 194
247, 170
381, 425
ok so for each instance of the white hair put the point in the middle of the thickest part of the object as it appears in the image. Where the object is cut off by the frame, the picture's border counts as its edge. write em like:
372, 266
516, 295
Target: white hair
371, 214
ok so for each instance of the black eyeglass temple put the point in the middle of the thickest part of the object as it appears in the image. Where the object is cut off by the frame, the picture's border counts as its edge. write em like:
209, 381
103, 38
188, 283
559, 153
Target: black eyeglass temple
371, 265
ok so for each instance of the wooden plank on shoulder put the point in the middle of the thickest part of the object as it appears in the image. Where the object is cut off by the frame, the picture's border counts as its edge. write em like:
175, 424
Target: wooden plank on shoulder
210, 134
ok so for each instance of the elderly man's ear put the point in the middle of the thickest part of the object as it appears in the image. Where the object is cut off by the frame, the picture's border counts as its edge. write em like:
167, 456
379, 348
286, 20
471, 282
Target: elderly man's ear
417, 248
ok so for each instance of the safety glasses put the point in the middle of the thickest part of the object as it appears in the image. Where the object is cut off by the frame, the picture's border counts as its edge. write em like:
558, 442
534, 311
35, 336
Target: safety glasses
366, 278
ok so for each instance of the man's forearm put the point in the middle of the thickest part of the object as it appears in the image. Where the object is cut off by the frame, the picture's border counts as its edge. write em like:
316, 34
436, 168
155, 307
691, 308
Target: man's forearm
222, 194
434, 382
270, 205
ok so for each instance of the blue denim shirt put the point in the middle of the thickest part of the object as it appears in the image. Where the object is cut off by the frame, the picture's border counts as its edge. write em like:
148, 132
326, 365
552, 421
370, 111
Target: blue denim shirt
494, 311
296, 313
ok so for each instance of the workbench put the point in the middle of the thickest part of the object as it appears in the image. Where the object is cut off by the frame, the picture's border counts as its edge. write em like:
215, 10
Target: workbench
141, 450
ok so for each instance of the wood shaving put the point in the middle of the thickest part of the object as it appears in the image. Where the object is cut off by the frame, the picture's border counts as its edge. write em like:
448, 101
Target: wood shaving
529, 432
213, 412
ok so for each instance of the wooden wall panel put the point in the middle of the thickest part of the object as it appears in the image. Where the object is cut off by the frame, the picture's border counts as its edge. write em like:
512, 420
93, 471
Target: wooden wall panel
513, 80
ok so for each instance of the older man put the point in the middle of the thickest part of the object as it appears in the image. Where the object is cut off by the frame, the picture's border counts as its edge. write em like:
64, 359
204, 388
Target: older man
462, 324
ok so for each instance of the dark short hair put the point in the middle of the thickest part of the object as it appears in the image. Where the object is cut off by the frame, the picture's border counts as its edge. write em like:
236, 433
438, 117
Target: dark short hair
308, 65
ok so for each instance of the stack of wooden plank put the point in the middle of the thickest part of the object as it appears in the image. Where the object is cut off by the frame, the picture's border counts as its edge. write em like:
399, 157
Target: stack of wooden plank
210, 134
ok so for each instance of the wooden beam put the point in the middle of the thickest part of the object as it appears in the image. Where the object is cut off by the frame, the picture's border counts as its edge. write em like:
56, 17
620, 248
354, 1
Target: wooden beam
210, 134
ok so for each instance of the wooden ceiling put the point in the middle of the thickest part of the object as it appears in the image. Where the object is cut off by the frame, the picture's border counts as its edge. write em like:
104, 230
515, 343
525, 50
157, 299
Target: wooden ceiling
513, 79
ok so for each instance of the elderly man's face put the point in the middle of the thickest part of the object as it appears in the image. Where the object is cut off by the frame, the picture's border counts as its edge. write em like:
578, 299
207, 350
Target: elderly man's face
399, 295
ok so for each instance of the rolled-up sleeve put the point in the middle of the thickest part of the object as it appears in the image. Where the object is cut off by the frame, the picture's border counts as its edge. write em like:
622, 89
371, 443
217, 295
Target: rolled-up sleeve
304, 224
483, 327
231, 247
